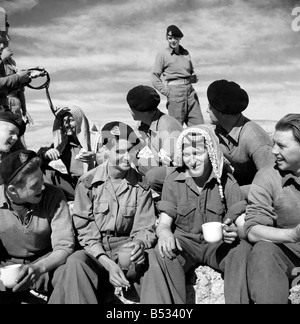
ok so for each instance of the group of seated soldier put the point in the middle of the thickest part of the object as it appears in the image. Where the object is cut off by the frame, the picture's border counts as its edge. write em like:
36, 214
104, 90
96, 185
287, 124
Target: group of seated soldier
152, 188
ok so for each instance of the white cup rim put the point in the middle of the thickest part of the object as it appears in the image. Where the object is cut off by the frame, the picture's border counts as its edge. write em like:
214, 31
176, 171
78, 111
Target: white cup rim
11, 266
208, 223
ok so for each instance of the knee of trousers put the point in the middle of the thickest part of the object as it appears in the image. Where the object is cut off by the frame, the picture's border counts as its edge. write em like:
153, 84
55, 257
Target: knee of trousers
243, 249
262, 253
78, 257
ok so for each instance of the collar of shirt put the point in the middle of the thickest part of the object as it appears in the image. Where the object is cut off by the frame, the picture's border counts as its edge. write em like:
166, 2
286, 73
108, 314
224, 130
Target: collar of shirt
234, 134
153, 128
185, 177
172, 51
101, 175
23, 212
288, 177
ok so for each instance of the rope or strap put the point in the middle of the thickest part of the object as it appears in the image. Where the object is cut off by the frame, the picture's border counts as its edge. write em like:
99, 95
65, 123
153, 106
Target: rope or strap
43, 86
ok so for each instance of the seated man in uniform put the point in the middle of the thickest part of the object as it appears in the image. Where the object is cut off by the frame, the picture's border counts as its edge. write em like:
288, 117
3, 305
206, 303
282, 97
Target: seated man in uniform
36, 231
245, 144
158, 133
113, 206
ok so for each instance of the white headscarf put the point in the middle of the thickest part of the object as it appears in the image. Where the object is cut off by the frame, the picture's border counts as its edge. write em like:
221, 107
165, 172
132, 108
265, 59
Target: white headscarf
83, 129
87, 132
212, 145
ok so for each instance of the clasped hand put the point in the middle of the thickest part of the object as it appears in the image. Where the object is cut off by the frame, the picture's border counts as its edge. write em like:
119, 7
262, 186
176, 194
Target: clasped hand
116, 275
27, 278
230, 231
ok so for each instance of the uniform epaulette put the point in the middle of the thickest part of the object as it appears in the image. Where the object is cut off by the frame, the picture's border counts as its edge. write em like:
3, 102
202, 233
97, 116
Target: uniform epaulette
145, 183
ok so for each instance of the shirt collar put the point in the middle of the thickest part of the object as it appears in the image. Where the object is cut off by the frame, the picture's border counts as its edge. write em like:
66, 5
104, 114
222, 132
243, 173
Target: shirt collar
183, 176
236, 130
288, 177
172, 52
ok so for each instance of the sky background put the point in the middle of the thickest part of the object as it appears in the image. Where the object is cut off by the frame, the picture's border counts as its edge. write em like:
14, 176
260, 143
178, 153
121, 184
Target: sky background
97, 50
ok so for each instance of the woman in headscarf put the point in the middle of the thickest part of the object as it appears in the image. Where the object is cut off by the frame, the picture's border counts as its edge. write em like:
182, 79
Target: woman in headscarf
76, 143
200, 190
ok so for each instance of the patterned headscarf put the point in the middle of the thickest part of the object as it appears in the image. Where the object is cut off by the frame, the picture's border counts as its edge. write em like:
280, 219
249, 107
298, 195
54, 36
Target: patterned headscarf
83, 128
211, 143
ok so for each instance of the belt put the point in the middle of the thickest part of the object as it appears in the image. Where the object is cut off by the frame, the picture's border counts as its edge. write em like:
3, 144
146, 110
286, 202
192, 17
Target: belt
110, 233
178, 82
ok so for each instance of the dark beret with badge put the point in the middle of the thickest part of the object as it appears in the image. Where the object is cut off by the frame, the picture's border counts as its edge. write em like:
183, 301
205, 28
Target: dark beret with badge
9, 117
173, 30
143, 98
227, 97
118, 130
13, 164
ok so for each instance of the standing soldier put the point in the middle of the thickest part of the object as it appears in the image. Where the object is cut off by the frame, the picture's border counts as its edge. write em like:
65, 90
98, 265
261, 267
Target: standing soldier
175, 64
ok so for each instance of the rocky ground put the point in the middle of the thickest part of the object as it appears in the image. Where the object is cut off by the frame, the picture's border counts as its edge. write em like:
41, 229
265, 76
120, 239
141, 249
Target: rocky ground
204, 286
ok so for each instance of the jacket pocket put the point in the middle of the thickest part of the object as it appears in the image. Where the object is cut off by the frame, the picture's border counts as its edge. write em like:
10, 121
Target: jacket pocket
128, 211
101, 210
214, 212
101, 207
186, 216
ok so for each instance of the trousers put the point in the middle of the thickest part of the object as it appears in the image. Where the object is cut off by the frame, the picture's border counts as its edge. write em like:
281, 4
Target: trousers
164, 280
183, 104
271, 271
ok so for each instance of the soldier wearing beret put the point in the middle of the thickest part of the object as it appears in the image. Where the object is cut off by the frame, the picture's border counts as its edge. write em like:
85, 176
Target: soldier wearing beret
174, 64
12, 127
113, 206
158, 133
245, 144
36, 231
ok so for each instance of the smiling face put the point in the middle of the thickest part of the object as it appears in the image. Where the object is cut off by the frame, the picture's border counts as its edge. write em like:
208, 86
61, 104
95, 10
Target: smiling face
69, 125
173, 42
32, 189
8, 136
196, 158
121, 154
287, 151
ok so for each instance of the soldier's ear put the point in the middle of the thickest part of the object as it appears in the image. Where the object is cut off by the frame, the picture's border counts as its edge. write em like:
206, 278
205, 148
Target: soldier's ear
12, 191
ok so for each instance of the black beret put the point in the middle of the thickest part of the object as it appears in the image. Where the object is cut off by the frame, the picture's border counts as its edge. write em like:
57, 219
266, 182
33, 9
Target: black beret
9, 117
118, 130
174, 31
227, 97
143, 98
13, 163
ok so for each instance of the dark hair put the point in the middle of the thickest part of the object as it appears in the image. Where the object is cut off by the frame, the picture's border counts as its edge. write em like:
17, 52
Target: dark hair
32, 166
290, 122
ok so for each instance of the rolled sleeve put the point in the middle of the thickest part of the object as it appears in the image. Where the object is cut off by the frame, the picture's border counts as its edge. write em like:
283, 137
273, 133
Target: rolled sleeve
168, 208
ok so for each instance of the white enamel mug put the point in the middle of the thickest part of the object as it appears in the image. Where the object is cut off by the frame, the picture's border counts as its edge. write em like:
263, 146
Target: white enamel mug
212, 232
9, 274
